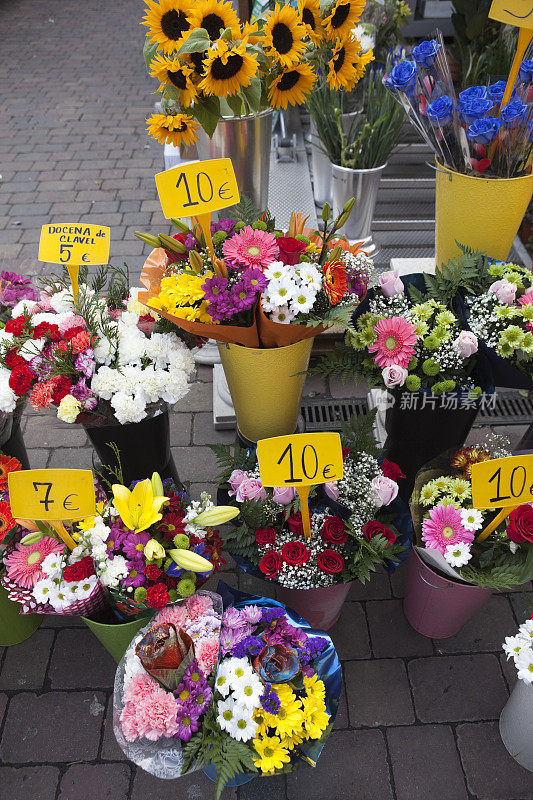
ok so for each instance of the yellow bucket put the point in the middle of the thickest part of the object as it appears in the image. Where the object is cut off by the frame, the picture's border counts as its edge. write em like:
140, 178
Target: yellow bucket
266, 386
481, 213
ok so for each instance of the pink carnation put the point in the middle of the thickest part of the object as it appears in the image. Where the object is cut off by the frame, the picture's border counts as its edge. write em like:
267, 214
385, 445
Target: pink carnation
128, 721
176, 614
81, 342
44, 303
41, 395
149, 710
197, 605
74, 321
139, 687
206, 652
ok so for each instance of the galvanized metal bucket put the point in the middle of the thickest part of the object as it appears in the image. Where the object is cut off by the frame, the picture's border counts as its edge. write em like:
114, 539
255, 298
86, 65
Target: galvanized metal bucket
516, 724
362, 184
321, 169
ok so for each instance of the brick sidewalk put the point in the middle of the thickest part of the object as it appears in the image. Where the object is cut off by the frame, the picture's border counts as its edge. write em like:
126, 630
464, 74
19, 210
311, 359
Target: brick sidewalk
418, 718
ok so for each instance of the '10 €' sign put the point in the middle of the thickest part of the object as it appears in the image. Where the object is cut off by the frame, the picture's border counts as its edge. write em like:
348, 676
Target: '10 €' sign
502, 483
300, 460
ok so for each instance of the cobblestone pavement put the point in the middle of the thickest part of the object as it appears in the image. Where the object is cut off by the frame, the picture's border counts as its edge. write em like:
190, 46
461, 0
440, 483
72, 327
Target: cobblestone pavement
418, 718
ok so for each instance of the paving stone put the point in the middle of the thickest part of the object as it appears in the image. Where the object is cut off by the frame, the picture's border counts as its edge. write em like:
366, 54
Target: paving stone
425, 763
364, 774
347, 390
180, 429
4, 700
397, 581
522, 603
196, 489
44, 431
74, 718
25, 664
315, 385
485, 631
256, 586
110, 748
195, 464
455, 688
377, 588
72, 457
342, 720
195, 786
62, 621
268, 788
38, 458
104, 781
198, 398
390, 633
509, 670
491, 773
368, 683
79, 661
350, 633
205, 433
29, 783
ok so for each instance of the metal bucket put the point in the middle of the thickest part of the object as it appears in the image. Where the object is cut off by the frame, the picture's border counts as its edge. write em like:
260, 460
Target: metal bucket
321, 169
516, 724
362, 184
247, 141
321, 607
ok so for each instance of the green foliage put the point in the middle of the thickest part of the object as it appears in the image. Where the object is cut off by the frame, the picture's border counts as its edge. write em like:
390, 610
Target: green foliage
365, 556
245, 210
358, 434
230, 458
469, 271
341, 362
334, 315
483, 47
110, 475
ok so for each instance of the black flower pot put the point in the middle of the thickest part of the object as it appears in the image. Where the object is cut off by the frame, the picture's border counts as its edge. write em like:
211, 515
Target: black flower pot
11, 439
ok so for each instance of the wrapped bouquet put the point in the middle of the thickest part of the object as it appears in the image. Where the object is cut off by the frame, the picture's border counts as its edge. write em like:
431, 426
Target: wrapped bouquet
520, 648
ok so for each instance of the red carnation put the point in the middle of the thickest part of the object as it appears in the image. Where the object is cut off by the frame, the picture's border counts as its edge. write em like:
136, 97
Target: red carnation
270, 564
295, 523
171, 524
44, 330
392, 470
61, 387
374, 528
152, 572
330, 561
157, 596
80, 570
520, 527
334, 530
81, 341
13, 359
15, 326
177, 256
295, 553
265, 536
72, 332
290, 249
21, 379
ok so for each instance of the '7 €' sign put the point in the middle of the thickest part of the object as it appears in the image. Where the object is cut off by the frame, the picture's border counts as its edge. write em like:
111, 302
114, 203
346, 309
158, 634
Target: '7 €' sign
52, 495
300, 460
502, 483
73, 244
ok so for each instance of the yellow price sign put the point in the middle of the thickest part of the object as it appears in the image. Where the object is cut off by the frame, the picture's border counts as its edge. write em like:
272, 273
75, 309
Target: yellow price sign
300, 460
502, 482
520, 14
52, 494
74, 244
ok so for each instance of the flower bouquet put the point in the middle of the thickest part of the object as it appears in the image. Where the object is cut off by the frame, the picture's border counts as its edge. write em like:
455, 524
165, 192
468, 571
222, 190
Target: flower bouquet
270, 703
14, 288
516, 720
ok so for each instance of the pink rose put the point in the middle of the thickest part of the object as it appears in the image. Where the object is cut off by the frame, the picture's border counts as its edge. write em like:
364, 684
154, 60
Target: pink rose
235, 480
391, 283
526, 299
394, 376
283, 495
332, 490
386, 490
466, 344
250, 489
504, 290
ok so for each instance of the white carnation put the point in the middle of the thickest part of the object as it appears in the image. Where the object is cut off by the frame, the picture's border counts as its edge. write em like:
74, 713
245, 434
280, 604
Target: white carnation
128, 408
114, 570
22, 306
8, 398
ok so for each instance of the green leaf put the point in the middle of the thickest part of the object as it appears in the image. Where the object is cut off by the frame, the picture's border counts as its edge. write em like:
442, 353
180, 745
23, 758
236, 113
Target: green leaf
234, 102
149, 51
197, 42
205, 116
252, 94
172, 92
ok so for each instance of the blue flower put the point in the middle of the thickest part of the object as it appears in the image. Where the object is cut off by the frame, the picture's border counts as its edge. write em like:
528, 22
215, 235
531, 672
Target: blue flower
440, 111
483, 131
251, 645
475, 108
402, 78
270, 701
525, 73
513, 114
426, 52
497, 90
473, 93
270, 614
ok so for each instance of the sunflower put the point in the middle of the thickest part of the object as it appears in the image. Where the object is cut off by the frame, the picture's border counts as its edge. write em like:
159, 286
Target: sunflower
346, 66
7, 464
171, 72
168, 23
283, 35
6, 520
309, 11
196, 62
342, 17
176, 130
292, 86
227, 69
214, 16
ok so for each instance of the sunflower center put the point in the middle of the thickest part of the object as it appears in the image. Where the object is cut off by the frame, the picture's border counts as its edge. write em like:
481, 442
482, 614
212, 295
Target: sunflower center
253, 250
178, 79
212, 24
221, 72
198, 62
33, 558
174, 24
308, 18
340, 16
447, 532
390, 343
288, 80
338, 61
282, 38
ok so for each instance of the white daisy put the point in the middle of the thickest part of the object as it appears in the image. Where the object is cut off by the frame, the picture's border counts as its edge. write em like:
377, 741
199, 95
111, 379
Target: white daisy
52, 564
42, 590
249, 691
457, 555
303, 300
471, 518
525, 631
242, 727
225, 716
513, 645
237, 670
222, 683
280, 292
310, 276
283, 315
524, 665
86, 587
58, 599
266, 303
276, 270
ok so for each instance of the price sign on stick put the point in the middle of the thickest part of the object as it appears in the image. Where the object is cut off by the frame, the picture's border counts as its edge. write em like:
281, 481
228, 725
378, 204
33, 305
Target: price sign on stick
502, 483
52, 495
520, 14
74, 244
300, 460
197, 189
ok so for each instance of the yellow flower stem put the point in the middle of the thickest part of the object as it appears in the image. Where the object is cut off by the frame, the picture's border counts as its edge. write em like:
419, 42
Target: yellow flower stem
504, 512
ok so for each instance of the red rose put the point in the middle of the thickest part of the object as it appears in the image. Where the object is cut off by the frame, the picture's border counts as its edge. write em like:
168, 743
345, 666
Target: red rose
80, 570
295, 553
295, 524
15, 326
61, 387
520, 527
391, 470
47, 331
270, 564
152, 572
157, 596
374, 528
330, 561
177, 256
13, 359
290, 249
21, 379
264, 536
334, 530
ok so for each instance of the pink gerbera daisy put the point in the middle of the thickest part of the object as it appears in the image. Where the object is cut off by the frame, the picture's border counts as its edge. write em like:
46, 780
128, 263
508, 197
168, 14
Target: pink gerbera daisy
526, 299
394, 345
251, 248
443, 527
23, 565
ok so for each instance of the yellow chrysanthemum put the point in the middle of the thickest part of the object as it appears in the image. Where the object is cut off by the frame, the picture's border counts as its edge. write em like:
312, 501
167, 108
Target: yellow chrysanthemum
316, 723
271, 754
176, 130
341, 17
214, 16
284, 692
283, 35
182, 295
314, 686
346, 66
292, 86
289, 718
309, 11
168, 23
227, 69
171, 72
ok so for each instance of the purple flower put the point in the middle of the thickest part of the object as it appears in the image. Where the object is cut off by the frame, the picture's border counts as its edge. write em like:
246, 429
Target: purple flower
250, 646
316, 645
190, 242
40, 367
242, 296
135, 575
201, 697
213, 287
14, 288
85, 363
254, 279
270, 614
225, 225
133, 545
253, 614
233, 618
193, 675
85, 395
270, 701
187, 719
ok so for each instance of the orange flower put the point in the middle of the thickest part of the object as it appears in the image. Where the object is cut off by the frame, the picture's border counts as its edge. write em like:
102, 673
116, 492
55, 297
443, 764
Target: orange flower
345, 245
7, 464
334, 281
6, 520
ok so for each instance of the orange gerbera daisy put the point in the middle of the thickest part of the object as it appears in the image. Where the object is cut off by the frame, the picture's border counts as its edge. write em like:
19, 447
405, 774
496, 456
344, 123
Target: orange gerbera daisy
345, 245
7, 464
6, 520
335, 284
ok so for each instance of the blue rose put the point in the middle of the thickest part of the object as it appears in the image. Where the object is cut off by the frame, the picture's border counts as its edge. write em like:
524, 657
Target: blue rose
425, 53
496, 91
440, 111
402, 78
483, 131
525, 73
476, 108
513, 114
473, 93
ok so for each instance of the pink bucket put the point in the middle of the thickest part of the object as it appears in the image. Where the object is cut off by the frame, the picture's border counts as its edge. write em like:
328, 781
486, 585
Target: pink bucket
321, 607
435, 606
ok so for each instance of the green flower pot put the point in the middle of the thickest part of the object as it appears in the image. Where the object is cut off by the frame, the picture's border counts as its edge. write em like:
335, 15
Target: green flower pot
15, 627
116, 636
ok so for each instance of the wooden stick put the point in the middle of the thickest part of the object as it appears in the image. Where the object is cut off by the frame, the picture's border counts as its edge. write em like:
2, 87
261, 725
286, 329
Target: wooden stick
303, 494
504, 512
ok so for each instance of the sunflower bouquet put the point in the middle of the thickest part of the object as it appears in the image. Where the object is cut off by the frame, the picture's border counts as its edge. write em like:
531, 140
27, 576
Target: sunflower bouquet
209, 65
